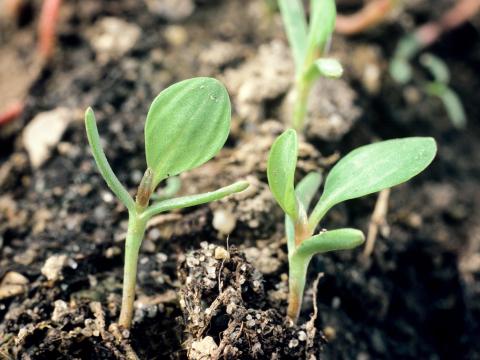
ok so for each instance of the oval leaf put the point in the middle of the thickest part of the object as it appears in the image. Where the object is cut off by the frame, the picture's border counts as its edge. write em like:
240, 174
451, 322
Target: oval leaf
187, 125
341, 239
372, 168
282, 161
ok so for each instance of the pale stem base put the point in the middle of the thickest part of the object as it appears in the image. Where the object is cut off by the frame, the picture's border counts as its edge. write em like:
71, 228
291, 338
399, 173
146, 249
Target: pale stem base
136, 231
296, 284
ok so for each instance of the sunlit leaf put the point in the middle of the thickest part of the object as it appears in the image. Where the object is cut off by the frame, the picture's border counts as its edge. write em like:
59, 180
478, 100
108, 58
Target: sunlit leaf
374, 167
187, 124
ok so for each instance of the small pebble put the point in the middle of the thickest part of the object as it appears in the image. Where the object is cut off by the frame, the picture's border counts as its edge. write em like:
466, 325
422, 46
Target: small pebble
53, 267
221, 253
336, 302
302, 336
330, 333
176, 35
224, 221
293, 343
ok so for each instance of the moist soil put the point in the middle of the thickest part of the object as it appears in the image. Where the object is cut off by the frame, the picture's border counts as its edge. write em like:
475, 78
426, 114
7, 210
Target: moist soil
212, 279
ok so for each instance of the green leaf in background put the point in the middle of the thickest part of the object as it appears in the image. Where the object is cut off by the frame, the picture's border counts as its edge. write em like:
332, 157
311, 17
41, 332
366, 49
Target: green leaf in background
400, 70
282, 161
322, 23
341, 239
372, 168
454, 108
451, 102
437, 67
187, 125
293, 16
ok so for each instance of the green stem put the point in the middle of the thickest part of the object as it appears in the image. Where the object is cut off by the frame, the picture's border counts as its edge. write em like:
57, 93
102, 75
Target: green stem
317, 214
296, 285
136, 231
302, 90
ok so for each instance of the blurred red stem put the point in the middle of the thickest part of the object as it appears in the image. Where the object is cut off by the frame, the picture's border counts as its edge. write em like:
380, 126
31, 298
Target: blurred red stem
12, 112
461, 12
47, 28
370, 15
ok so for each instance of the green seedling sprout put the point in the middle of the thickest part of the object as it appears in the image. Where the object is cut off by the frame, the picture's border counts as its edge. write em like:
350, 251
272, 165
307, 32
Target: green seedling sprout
402, 72
365, 170
309, 42
438, 87
187, 124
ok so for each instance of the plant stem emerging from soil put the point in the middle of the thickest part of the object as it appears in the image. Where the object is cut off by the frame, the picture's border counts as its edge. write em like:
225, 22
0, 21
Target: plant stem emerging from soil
136, 231
398, 158
204, 140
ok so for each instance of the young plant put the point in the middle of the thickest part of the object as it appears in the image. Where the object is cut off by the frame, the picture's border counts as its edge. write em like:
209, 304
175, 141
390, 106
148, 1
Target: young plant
187, 124
365, 170
439, 87
309, 43
402, 72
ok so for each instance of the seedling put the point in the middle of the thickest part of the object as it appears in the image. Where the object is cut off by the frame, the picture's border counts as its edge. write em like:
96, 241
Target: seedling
401, 71
309, 43
438, 87
365, 170
187, 124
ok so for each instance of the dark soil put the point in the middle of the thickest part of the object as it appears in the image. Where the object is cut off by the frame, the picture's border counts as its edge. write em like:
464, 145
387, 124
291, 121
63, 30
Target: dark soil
417, 297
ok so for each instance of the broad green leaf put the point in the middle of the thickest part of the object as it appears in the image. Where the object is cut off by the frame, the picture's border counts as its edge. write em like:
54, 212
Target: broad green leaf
193, 200
341, 239
282, 161
293, 16
372, 168
322, 23
325, 67
187, 124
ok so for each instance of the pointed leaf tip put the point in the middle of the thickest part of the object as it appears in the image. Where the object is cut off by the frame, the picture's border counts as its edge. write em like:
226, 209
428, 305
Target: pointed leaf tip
371, 168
